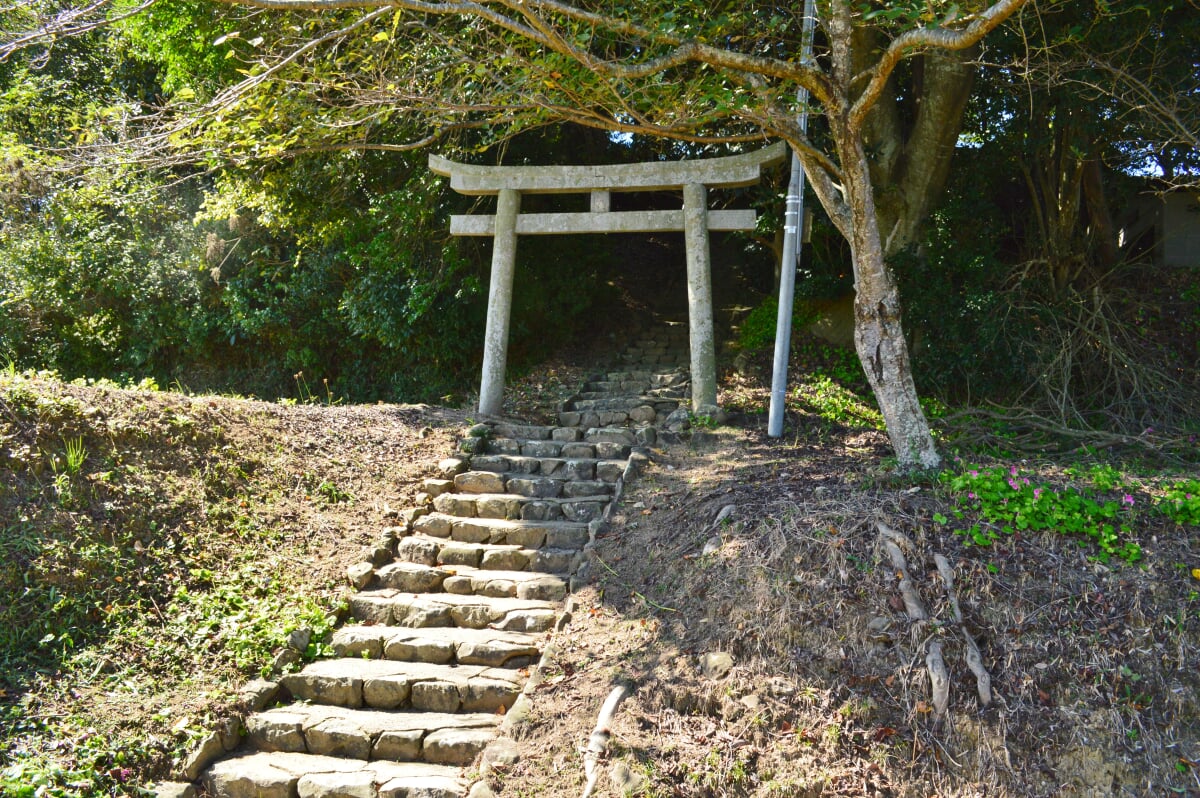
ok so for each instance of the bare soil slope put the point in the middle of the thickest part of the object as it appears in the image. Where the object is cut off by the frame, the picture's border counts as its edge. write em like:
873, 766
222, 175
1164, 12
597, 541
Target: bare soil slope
150, 573
737, 544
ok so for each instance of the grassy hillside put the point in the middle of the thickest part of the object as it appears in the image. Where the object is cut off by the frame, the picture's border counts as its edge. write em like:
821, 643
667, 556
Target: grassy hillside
156, 550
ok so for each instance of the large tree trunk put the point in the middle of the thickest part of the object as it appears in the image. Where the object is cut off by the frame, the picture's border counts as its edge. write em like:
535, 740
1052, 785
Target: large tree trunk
878, 335
910, 136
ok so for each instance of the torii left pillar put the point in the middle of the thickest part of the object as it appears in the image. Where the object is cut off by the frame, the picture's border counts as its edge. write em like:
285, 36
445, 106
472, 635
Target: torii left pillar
699, 285
495, 337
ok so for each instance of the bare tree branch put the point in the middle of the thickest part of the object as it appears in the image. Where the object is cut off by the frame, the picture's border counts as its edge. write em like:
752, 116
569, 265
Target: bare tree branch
909, 42
72, 22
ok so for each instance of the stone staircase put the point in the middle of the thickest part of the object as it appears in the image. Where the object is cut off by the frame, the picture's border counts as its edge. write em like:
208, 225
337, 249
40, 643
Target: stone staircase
444, 634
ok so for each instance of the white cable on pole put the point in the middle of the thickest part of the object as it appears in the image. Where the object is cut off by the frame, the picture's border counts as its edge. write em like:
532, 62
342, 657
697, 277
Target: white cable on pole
792, 231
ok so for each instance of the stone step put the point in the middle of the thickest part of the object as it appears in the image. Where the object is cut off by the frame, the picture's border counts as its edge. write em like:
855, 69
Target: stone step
592, 418
397, 608
574, 450
605, 394
281, 774
529, 485
629, 375
391, 684
613, 387
514, 507
525, 431
501, 531
441, 645
437, 737
490, 556
566, 450
555, 467
411, 577
608, 402
657, 360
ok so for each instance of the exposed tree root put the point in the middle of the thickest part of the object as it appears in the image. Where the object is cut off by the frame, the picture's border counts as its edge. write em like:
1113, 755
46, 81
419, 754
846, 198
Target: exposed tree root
983, 679
892, 542
939, 677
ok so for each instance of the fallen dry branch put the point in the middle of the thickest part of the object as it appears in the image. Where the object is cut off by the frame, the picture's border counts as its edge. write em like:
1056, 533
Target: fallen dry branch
1030, 430
598, 741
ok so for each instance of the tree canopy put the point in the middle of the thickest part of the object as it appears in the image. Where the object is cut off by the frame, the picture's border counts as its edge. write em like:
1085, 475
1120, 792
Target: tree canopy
270, 105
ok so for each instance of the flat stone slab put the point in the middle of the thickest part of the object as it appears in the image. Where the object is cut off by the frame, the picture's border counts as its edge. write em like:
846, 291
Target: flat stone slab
373, 734
427, 550
502, 531
443, 645
511, 506
529, 431
279, 774
395, 608
389, 684
551, 559
464, 580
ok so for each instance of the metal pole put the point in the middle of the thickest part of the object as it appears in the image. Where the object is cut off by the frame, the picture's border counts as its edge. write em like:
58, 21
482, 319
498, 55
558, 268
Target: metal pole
792, 224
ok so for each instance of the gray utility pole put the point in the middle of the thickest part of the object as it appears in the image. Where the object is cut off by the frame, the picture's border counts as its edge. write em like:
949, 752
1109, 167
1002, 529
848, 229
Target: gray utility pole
792, 227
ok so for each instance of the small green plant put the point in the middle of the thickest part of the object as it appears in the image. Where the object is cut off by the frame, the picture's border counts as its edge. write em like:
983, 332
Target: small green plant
757, 330
75, 455
836, 403
1009, 502
333, 494
1105, 477
1181, 502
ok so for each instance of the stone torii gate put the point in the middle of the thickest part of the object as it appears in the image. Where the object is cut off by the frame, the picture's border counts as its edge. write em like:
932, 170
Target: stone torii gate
695, 220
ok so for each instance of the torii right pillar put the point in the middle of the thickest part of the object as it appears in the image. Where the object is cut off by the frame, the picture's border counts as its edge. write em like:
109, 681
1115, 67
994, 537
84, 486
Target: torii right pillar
699, 284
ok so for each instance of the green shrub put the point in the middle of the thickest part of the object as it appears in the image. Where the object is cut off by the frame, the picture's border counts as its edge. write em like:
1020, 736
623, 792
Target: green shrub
757, 330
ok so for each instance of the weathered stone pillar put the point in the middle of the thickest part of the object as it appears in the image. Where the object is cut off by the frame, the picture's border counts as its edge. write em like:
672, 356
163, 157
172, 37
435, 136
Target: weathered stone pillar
700, 313
495, 338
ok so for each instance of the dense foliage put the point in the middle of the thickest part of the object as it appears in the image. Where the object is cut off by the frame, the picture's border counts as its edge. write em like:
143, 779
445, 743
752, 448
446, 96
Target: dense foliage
279, 259
329, 275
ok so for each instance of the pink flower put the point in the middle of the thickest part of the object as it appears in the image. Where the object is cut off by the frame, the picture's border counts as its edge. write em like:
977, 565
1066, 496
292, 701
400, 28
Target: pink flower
971, 494
1127, 499
1012, 471
1037, 493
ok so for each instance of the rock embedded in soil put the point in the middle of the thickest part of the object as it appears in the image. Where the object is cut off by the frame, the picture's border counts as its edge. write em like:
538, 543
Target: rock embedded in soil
500, 755
624, 780
716, 664
258, 694
203, 755
360, 574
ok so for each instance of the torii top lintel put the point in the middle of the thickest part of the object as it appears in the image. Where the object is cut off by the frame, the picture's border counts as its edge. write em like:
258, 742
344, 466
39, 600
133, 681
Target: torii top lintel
729, 172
